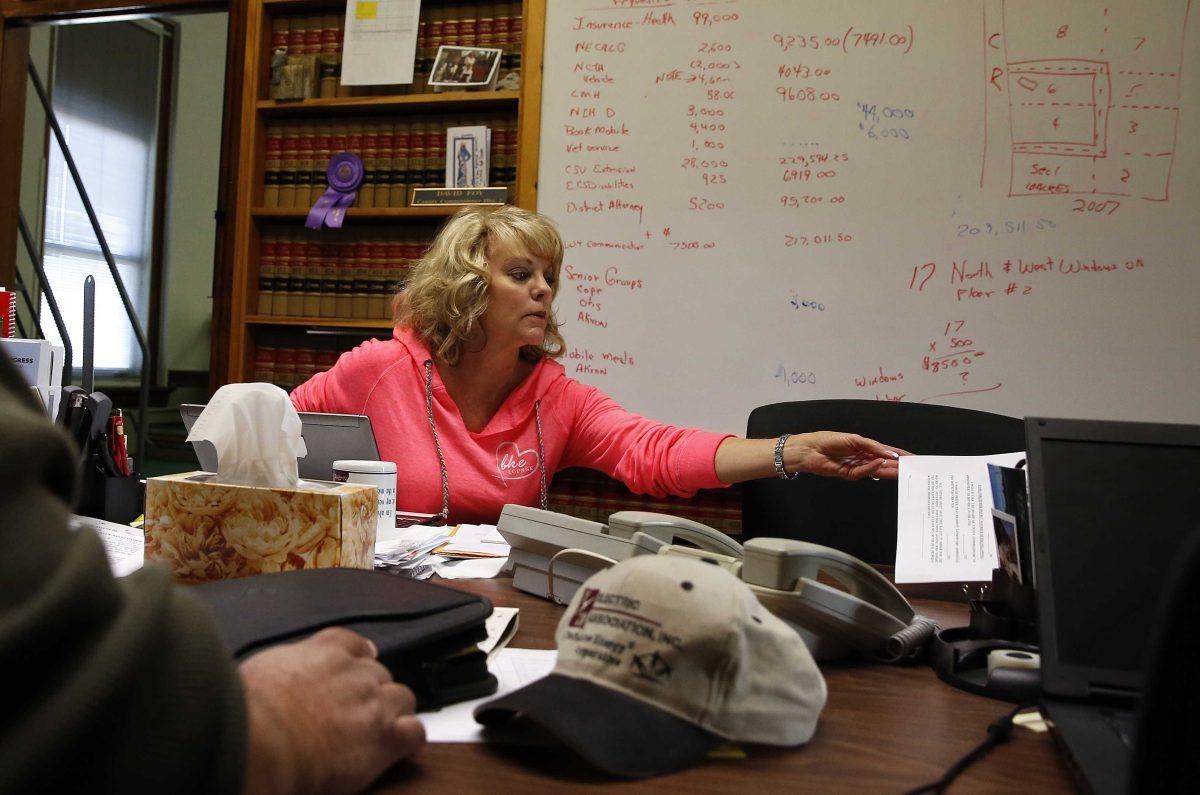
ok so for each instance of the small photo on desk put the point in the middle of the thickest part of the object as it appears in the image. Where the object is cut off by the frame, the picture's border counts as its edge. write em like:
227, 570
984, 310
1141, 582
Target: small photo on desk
1007, 552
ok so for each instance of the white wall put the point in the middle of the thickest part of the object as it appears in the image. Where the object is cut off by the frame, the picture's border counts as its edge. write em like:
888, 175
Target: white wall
192, 192
33, 161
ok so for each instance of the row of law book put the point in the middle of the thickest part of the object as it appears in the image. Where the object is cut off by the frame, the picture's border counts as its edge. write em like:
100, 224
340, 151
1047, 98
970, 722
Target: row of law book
321, 36
397, 157
288, 367
303, 275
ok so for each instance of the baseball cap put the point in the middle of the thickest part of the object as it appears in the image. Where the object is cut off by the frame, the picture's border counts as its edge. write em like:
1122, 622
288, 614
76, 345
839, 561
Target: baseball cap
662, 659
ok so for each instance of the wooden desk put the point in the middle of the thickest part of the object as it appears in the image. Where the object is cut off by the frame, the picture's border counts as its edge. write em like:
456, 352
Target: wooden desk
884, 729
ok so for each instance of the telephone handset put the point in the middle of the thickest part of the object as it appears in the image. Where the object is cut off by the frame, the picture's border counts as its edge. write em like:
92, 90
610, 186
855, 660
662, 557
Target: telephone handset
870, 616
665, 528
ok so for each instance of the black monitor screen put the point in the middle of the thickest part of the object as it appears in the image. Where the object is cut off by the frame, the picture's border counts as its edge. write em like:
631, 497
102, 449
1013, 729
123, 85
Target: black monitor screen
1116, 513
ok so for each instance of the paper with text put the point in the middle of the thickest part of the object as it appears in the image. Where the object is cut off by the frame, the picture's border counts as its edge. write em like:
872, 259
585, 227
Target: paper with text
124, 545
944, 519
514, 668
380, 42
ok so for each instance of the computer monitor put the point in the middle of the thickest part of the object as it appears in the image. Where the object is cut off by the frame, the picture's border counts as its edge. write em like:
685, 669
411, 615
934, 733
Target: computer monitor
1111, 503
328, 438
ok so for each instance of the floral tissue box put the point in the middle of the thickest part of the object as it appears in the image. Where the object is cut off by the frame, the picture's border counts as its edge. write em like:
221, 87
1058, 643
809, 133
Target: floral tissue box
214, 531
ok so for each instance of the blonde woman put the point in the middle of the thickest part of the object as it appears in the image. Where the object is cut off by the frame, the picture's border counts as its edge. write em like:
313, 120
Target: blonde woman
469, 401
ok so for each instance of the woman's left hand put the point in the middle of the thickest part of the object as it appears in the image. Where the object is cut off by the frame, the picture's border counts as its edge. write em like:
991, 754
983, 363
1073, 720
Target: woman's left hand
841, 455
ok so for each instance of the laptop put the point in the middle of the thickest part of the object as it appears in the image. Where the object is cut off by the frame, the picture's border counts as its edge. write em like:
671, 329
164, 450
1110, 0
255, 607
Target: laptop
1111, 504
328, 437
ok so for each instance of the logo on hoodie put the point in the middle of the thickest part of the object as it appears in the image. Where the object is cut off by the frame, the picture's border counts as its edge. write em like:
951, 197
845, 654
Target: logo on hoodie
515, 464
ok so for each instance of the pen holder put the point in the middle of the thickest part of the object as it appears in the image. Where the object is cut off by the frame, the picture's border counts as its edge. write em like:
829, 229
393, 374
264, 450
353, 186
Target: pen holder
112, 498
1007, 621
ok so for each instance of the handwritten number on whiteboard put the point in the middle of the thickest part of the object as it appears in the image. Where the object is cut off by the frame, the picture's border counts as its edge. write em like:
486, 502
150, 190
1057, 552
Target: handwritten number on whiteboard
1125, 175
1140, 41
929, 268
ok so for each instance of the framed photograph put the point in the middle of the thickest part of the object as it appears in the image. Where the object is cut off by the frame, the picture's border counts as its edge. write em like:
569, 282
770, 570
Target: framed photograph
1007, 551
465, 67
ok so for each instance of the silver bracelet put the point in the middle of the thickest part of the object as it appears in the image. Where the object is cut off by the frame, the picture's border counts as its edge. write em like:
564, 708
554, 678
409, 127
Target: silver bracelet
779, 470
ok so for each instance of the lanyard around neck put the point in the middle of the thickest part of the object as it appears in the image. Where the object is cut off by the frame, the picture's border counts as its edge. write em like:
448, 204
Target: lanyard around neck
437, 445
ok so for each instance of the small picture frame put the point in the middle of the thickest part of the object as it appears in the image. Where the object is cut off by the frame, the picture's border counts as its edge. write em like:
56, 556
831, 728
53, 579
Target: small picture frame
1008, 553
465, 67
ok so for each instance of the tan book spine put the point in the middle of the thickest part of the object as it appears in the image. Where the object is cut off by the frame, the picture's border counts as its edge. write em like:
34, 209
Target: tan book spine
289, 163
322, 154
416, 156
264, 364
266, 274
395, 274
435, 155
362, 281
377, 304
305, 163
328, 62
306, 366
329, 286
370, 158
339, 135
383, 168
437, 21
468, 27
345, 280
297, 32
272, 163
516, 34
312, 279
450, 24
299, 275
401, 147
279, 51
285, 368
342, 91
485, 27
283, 275
312, 35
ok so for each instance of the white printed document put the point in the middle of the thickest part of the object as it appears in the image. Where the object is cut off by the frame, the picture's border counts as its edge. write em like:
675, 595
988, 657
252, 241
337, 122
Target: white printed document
513, 668
944, 518
380, 42
123, 544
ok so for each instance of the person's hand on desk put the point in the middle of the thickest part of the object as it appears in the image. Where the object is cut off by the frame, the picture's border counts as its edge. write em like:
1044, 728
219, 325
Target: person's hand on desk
828, 453
324, 716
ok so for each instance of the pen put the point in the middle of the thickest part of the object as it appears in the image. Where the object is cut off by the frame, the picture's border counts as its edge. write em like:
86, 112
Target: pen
122, 443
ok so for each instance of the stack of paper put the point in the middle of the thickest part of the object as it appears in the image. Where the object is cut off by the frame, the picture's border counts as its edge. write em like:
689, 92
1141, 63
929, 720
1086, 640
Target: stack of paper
474, 541
461, 552
408, 550
472, 552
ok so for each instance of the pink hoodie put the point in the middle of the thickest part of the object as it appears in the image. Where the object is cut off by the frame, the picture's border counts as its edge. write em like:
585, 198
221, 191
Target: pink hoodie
581, 426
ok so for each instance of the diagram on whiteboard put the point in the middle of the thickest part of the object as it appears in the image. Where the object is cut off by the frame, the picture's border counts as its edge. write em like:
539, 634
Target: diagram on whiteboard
1093, 96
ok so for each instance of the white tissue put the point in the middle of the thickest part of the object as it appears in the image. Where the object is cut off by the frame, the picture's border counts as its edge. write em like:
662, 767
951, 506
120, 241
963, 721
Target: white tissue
256, 431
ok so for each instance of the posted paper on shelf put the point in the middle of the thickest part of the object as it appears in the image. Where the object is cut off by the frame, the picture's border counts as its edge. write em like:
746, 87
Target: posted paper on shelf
944, 518
380, 42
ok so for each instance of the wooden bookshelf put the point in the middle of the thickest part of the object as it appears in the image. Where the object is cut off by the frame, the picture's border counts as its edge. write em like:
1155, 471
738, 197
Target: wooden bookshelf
249, 328
345, 106
318, 322
358, 213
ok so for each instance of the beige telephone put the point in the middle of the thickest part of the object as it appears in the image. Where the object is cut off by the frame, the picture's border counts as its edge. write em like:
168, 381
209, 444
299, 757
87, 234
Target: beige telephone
552, 554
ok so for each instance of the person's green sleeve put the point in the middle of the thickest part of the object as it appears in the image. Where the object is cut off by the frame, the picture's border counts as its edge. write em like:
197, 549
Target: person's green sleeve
110, 685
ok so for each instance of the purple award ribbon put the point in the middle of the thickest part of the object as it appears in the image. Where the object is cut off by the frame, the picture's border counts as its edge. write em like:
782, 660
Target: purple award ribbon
345, 174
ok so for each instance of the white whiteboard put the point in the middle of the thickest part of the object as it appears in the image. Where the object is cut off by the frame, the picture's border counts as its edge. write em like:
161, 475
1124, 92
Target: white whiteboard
988, 204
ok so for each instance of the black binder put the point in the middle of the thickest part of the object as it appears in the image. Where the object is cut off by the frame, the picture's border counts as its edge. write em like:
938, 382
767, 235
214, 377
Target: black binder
426, 634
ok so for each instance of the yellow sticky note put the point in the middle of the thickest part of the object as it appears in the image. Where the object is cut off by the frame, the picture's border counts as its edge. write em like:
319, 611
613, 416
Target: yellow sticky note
727, 751
365, 9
